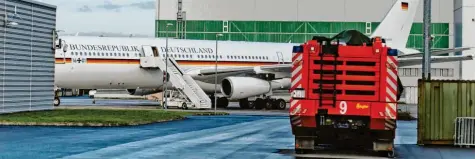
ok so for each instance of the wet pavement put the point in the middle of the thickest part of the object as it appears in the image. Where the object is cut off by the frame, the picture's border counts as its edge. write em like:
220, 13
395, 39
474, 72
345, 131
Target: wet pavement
234, 136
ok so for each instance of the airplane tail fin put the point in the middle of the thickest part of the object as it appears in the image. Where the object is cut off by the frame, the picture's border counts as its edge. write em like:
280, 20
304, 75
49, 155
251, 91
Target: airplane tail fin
397, 23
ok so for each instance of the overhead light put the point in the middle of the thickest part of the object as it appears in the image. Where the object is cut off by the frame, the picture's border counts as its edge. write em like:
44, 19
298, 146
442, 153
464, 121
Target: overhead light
12, 23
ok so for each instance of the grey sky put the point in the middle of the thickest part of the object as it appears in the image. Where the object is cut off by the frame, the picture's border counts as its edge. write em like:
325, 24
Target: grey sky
120, 16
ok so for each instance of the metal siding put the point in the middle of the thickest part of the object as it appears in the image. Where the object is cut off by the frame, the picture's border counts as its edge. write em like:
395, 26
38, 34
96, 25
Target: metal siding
410, 95
339, 15
285, 31
439, 104
27, 61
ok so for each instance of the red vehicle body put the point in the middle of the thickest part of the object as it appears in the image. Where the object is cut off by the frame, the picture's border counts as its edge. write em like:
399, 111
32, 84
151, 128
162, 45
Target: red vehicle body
344, 95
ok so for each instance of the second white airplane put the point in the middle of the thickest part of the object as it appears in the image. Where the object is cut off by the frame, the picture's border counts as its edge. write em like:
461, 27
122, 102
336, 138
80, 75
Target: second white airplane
114, 63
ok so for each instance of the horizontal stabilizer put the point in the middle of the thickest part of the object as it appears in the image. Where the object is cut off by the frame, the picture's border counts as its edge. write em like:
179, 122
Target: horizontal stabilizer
434, 59
433, 52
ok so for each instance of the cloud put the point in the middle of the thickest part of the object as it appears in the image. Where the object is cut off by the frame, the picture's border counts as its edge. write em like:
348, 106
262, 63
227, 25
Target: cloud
144, 5
108, 5
85, 8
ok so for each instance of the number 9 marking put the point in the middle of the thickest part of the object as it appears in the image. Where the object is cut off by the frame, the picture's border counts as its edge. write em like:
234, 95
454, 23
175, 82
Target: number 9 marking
343, 107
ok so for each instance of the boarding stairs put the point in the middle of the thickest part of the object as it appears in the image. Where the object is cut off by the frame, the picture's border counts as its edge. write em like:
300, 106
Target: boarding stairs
184, 83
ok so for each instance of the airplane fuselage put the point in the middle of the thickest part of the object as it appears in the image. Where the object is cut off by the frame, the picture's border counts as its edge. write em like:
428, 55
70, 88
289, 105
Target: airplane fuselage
114, 63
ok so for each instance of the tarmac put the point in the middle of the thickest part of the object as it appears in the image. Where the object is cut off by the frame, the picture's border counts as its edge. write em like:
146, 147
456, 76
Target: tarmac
243, 134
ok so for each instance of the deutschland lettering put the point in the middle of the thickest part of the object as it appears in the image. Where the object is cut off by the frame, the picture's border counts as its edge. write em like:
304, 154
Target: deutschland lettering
187, 50
103, 47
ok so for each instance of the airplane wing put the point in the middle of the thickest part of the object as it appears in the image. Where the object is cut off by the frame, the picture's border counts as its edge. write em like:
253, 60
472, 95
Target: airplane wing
434, 59
240, 70
286, 68
273, 68
212, 71
209, 73
434, 52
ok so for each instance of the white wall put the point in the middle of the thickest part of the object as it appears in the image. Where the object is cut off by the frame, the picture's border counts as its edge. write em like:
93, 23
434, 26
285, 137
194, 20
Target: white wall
410, 79
295, 10
410, 95
464, 14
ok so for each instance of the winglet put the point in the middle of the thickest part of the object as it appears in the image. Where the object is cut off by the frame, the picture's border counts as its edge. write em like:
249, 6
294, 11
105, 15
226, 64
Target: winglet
397, 23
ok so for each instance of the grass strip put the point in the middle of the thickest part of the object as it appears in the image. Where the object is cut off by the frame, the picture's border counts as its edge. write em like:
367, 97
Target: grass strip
95, 117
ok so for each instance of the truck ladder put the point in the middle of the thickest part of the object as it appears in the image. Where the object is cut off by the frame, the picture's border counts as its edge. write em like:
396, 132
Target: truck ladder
184, 83
328, 78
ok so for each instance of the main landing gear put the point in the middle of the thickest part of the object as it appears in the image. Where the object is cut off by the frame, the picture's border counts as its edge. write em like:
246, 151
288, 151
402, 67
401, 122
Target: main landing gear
223, 102
261, 103
56, 101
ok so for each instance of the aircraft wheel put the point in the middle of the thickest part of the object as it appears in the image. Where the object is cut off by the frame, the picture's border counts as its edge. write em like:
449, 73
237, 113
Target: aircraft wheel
252, 104
244, 103
268, 104
223, 102
259, 104
56, 101
281, 104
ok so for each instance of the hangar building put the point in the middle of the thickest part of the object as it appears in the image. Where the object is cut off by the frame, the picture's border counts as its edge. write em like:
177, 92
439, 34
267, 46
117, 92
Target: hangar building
26, 58
298, 20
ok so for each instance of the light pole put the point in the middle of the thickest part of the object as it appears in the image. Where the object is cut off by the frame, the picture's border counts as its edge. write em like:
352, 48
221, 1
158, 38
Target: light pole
216, 73
165, 74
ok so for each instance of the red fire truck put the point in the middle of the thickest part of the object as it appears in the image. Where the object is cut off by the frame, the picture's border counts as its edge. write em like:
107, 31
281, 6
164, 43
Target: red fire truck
344, 93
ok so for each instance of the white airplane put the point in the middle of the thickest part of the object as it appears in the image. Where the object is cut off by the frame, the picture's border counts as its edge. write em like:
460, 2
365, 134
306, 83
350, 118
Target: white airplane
114, 63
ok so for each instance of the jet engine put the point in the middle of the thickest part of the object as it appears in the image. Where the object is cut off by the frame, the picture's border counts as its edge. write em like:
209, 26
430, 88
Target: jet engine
244, 87
141, 92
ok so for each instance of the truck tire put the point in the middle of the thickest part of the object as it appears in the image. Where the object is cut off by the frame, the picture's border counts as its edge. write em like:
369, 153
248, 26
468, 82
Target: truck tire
389, 154
184, 106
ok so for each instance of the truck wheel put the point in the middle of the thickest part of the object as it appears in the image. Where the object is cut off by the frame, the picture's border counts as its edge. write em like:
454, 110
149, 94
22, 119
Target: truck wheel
281, 104
388, 154
184, 106
391, 154
301, 151
56, 101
